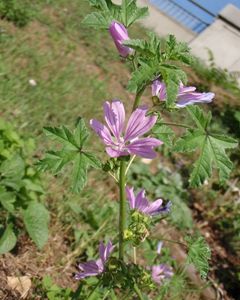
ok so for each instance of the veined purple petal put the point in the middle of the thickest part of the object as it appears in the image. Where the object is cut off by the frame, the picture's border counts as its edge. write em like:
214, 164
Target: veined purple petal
102, 131
192, 98
186, 89
139, 124
159, 90
141, 202
87, 269
115, 117
131, 197
144, 147
104, 252
153, 208
119, 35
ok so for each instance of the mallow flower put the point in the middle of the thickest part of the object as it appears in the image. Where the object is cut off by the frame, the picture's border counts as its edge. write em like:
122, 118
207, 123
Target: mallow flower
95, 267
120, 142
141, 204
119, 34
187, 95
161, 272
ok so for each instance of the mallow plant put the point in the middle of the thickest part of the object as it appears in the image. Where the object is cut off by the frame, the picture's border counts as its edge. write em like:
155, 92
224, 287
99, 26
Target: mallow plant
156, 66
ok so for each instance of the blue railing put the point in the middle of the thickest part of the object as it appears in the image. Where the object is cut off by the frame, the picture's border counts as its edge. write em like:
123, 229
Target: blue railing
183, 15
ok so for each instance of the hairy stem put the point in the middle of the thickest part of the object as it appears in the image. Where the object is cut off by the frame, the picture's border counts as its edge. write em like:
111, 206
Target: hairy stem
138, 292
123, 208
90, 296
138, 98
177, 125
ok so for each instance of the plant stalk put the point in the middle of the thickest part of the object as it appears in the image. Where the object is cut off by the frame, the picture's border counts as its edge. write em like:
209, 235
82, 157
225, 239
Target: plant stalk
123, 208
176, 124
138, 292
138, 98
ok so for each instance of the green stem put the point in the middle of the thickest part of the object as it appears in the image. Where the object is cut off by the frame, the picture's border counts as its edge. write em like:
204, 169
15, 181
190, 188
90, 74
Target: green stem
138, 292
93, 291
177, 125
138, 98
106, 295
123, 208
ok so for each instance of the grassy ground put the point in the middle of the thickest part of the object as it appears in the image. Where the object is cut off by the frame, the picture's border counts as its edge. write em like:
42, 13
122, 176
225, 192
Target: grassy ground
75, 69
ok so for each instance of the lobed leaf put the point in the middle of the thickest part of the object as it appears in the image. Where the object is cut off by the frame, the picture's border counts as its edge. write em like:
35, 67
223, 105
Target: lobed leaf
164, 133
144, 75
199, 254
212, 149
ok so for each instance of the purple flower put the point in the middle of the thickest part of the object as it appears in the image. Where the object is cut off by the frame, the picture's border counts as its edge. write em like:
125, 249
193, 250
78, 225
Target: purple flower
187, 95
120, 142
161, 272
141, 204
119, 34
95, 267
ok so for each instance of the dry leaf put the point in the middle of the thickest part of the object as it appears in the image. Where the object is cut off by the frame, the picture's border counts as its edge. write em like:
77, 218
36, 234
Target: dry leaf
21, 284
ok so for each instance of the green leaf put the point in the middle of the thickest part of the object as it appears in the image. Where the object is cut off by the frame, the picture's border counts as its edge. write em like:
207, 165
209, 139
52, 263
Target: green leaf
127, 13
72, 152
80, 165
217, 145
199, 117
81, 133
177, 51
144, 75
212, 149
8, 240
92, 160
99, 20
131, 13
13, 167
36, 218
7, 199
164, 133
172, 76
63, 135
149, 49
190, 141
56, 160
202, 169
199, 254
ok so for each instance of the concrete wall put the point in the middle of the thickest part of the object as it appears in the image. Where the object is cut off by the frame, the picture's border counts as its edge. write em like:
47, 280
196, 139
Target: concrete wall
162, 24
223, 40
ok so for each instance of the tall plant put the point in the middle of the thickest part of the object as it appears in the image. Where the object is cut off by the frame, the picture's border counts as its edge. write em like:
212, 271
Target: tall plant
157, 65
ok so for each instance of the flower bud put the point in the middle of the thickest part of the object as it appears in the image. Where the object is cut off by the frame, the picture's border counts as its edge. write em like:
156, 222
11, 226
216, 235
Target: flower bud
119, 34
